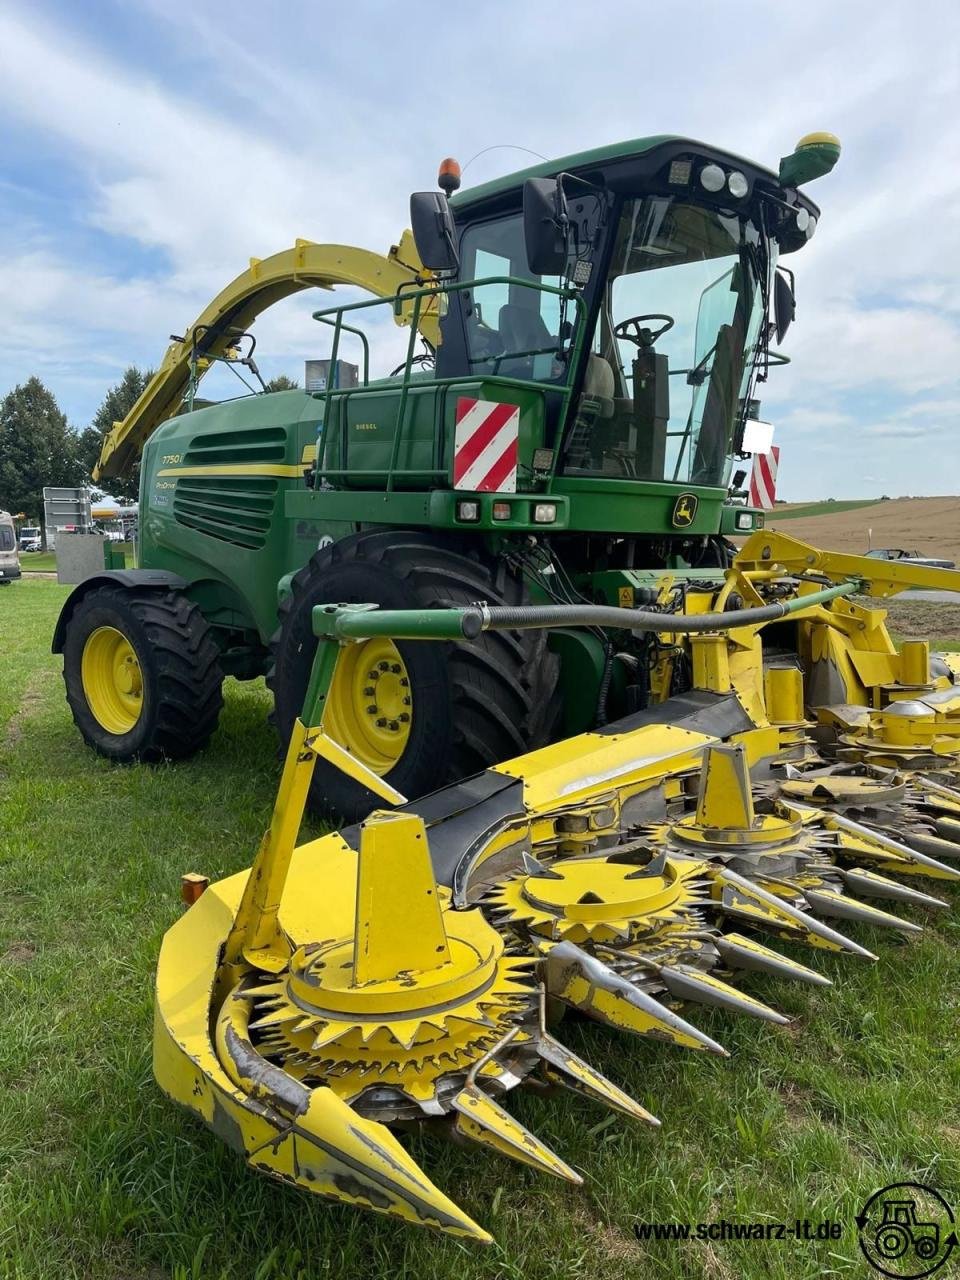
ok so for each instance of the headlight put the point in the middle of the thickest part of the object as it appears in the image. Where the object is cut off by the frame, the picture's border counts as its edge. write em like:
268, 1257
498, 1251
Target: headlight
803, 219
468, 511
811, 227
544, 513
744, 520
712, 177
737, 184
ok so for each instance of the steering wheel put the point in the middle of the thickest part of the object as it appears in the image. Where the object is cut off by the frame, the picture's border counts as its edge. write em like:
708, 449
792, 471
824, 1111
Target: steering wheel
630, 330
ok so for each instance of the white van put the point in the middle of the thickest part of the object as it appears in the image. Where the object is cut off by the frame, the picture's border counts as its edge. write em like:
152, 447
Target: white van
9, 556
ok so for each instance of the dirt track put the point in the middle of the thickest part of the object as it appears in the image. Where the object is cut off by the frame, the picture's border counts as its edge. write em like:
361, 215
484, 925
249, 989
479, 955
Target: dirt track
930, 526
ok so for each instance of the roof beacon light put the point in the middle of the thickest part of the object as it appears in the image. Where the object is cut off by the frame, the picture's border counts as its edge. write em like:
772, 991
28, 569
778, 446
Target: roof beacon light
448, 178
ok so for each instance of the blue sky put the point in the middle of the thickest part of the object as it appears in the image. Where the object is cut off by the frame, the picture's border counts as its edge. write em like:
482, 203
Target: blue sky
148, 151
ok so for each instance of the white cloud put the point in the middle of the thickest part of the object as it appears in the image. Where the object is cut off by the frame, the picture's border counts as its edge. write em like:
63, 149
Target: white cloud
208, 143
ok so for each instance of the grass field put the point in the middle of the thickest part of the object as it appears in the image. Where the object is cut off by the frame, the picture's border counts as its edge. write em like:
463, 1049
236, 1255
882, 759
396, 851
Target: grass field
819, 509
102, 1179
46, 561
38, 562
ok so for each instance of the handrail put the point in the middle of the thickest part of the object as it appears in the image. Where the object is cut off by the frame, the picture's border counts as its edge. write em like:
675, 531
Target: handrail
363, 338
334, 316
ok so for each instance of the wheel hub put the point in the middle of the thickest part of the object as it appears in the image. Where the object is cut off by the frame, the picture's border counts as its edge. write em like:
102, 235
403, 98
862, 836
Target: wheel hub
371, 704
112, 680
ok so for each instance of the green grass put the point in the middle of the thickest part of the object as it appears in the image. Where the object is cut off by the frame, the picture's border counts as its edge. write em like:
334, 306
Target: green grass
46, 561
820, 509
102, 1179
38, 562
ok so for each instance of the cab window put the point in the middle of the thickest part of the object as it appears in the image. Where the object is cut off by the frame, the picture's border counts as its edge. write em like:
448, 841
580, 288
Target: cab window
511, 330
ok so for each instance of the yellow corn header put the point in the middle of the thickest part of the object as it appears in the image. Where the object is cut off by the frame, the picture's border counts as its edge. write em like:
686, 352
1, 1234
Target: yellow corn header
414, 967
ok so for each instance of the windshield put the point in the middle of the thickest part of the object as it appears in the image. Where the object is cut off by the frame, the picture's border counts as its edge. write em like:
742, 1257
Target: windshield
672, 358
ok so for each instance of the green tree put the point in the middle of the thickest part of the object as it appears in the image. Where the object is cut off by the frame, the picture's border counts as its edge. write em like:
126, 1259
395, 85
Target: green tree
117, 403
37, 448
282, 383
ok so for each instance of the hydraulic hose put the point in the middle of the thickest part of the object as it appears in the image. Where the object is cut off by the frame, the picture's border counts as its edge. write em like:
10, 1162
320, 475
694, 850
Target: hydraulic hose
523, 617
434, 624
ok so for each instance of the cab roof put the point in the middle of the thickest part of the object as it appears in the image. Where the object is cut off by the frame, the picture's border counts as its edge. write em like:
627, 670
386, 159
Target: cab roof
588, 159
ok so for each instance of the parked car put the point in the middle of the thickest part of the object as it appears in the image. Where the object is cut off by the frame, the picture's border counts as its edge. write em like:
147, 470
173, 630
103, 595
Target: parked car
898, 553
9, 559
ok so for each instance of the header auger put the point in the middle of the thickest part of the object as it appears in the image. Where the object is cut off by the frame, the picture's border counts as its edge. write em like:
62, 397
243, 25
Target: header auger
403, 969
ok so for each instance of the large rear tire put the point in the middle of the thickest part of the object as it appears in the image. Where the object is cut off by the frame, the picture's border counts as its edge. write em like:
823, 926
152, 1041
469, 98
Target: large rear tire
142, 674
469, 703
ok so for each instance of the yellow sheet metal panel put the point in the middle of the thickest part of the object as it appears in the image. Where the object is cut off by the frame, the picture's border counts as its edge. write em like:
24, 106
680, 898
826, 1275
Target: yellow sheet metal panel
399, 928
569, 771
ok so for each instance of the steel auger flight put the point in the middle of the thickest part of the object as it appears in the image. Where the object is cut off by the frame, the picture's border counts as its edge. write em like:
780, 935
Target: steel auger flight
409, 968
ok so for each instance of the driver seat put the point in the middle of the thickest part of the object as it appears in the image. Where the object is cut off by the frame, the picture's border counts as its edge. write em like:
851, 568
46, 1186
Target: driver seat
523, 329
600, 384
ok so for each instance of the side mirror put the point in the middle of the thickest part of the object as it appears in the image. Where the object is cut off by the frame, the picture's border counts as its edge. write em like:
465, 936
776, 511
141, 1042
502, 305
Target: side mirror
545, 226
784, 304
433, 231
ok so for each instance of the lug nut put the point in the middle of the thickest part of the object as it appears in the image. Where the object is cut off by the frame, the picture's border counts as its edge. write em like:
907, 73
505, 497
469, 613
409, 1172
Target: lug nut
373, 675
381, 723
383, 666
369, 691
394, 725
404, 717
404, 682
407, 701
371, 711
396, 668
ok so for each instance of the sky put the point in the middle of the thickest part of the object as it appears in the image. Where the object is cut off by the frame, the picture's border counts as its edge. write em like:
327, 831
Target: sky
149, 150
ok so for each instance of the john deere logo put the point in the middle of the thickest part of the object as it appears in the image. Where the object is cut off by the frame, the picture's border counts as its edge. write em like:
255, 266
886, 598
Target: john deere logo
685, 510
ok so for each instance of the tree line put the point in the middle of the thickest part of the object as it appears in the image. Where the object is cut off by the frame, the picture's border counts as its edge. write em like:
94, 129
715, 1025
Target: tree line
38, 447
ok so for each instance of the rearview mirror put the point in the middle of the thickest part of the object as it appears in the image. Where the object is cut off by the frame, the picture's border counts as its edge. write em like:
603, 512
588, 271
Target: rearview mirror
433, 231
784, 304
545, 226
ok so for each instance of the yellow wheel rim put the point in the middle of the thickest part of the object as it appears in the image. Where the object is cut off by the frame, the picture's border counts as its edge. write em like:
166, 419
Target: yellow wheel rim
370, 705
112, 680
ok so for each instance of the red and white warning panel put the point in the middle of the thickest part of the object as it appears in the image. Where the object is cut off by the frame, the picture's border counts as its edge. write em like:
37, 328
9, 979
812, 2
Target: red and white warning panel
485, 446
763, 479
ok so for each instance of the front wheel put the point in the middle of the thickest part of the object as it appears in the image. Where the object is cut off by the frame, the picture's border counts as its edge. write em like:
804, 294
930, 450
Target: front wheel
142, 674
418, 713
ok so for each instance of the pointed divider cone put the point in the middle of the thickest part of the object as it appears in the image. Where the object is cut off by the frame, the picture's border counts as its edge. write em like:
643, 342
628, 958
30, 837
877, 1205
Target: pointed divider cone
724, 800
840, 906
782, 913
399, 925
873, 885
740, 952
573, 1073
587, 984
335, 1152
687, 983
840, 822
482, 1120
